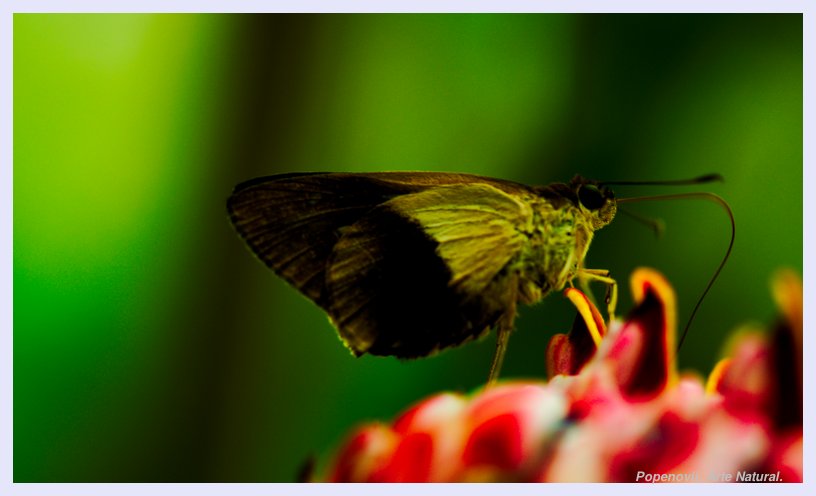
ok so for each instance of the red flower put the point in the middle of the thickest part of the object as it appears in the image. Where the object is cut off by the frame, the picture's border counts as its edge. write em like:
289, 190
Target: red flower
615, 409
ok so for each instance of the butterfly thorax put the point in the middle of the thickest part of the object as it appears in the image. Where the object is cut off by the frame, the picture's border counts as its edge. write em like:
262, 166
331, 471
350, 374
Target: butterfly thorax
558, 238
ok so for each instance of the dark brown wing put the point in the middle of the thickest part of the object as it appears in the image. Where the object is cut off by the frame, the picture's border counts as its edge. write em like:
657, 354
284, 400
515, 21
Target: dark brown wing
426, 270
292, 221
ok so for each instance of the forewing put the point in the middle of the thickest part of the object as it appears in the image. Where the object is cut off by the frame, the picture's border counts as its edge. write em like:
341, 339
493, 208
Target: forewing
478, 228
421, 272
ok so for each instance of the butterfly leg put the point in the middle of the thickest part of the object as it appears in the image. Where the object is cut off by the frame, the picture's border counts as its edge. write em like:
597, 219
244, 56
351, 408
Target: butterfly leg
600, 275
583, 283
502, 337
503, 329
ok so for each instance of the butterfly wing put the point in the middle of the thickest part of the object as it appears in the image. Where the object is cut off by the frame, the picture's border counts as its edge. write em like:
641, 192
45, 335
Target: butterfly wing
478, 228
426, 270
292, 221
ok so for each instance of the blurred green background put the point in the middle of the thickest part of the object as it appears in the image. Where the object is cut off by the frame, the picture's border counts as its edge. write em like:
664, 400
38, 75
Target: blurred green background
150, 345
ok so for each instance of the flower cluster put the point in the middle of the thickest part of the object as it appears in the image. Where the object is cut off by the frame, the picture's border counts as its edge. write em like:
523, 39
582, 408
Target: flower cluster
615, 409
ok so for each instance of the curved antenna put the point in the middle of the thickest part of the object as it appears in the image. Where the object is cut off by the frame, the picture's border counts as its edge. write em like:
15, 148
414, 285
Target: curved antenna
708, 178
699, 196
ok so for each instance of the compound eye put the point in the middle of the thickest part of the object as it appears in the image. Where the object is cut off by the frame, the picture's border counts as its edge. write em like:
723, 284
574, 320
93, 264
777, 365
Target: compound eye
591, 197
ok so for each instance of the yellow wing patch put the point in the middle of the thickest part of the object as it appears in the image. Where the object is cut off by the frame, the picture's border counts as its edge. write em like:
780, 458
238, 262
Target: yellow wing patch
479, 229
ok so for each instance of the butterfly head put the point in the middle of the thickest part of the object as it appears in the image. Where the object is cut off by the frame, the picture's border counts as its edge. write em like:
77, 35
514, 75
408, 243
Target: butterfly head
594, 201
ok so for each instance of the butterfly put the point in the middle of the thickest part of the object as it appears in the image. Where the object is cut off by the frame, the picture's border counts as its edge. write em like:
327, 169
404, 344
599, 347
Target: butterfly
409, 263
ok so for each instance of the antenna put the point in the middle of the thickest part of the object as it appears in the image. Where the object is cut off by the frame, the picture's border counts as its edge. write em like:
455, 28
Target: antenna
699, 196
707, 178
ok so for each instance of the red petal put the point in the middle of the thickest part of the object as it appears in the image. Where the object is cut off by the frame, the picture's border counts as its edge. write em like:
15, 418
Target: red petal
746, 385
365, 453
560, 360
647, 371
667, 445
786, 457
430, 412
411, 461
496, 442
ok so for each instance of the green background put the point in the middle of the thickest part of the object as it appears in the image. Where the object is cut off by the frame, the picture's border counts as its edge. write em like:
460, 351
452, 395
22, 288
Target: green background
150, 345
